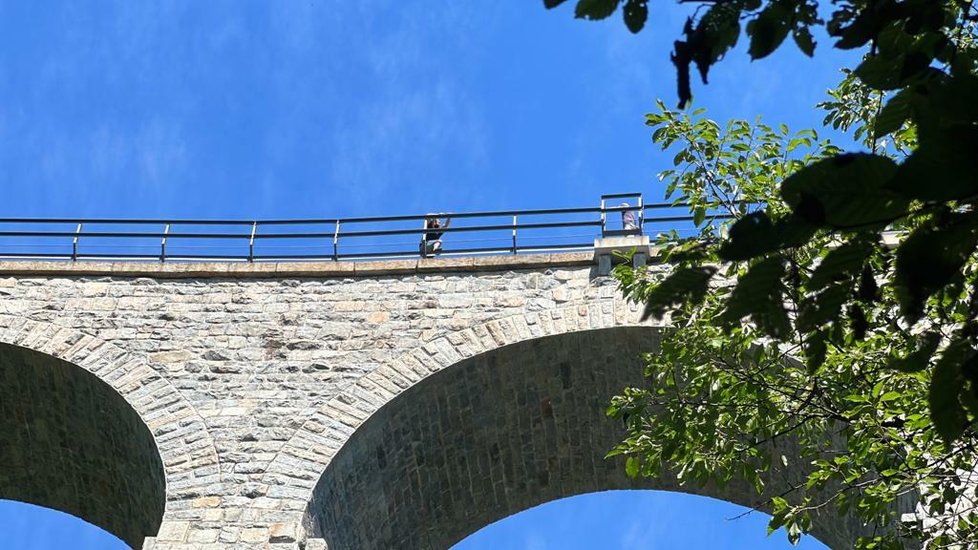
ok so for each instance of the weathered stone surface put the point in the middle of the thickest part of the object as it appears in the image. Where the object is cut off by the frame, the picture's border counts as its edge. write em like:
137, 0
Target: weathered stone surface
498, 433
69, 441
252, 378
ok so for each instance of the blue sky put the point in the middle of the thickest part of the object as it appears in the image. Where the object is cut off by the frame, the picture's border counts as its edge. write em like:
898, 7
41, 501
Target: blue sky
633, 520
624, 520
297, 109
311, 108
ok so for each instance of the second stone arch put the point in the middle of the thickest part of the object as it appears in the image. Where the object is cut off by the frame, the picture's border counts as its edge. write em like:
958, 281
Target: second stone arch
495, 434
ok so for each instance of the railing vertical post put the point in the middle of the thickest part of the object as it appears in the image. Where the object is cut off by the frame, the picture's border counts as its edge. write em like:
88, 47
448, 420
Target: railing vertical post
166, 230
604, 219
514, 233
424, 238
74, 243
641, 214
336, 242
251, 241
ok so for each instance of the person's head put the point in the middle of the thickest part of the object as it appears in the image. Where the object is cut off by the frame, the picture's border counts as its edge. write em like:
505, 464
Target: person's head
624, 204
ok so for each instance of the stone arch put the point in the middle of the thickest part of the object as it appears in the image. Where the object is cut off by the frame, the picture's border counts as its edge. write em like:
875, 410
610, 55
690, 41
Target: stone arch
496, 433
300, 463
127, 447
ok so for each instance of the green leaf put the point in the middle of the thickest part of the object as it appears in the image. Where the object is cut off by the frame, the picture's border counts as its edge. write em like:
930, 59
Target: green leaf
794, 533
552, 3
684, 285
943, 103
840, 264
845, 191
912, 64
768, 30
822, 308
632, 466
759, 294
930, 258
635, 12
858, 322
894, 114
855, 35
944, 166
879, 73
815, 351
686, 251
868, 289
749, 237
918, 359
946, 411
969, 396
717, 32
595, 9
803, 38
755, 235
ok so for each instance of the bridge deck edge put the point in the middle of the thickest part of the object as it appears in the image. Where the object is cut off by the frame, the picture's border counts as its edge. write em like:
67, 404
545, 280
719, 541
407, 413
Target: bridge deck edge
182, 270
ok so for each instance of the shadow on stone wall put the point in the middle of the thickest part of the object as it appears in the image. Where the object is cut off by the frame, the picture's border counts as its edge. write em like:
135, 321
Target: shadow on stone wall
496, 434
69, 441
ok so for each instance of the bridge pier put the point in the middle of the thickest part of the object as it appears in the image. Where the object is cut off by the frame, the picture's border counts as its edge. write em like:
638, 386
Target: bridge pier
609, 251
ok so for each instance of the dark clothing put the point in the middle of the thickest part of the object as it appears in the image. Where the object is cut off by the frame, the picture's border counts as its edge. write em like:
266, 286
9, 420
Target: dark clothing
431, 241
433, 224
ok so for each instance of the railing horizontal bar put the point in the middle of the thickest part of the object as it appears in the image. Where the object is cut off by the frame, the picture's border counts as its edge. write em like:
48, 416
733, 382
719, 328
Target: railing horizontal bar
120, 221
657, 205
621, 196
686, 218
123, 235
108, 256
277, 257
66, 255
483, 214
414, 253
558, 245
268, 257
507, 227
370, 219
410, 253
508, 250
310, 221
372, 233
582, 246
385, 232
223, 258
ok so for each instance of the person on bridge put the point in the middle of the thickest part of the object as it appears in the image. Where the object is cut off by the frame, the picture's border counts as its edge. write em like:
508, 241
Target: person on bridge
628, 219
431, 240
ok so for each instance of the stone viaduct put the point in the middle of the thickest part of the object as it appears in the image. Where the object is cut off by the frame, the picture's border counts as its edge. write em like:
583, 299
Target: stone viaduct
386, 404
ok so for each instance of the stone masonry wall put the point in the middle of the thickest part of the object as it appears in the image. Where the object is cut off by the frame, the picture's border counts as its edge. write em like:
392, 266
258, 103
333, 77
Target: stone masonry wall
252, 377
257, 357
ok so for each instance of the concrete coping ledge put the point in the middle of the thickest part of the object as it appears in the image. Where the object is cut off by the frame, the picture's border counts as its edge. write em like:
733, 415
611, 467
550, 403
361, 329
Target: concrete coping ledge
612, 250
637, 244
245, 270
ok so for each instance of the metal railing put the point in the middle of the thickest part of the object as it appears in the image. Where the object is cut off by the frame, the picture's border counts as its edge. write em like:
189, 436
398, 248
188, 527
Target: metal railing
470, 233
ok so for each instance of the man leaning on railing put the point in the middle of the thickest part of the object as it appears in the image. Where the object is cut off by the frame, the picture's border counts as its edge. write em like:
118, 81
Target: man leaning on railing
628, 223
431, 240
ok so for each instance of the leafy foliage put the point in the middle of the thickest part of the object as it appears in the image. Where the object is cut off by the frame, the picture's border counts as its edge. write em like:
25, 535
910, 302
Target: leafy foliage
838, 312
906, 41
861, 263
